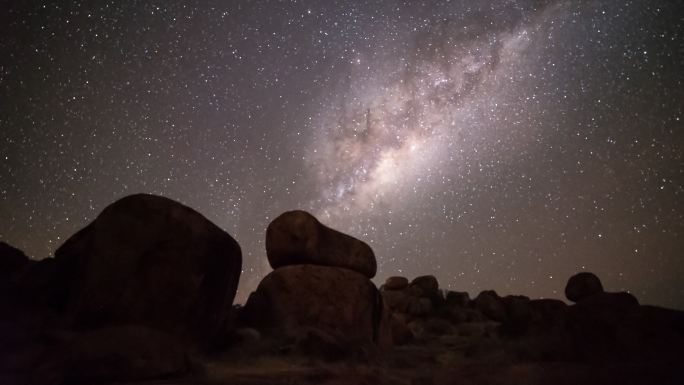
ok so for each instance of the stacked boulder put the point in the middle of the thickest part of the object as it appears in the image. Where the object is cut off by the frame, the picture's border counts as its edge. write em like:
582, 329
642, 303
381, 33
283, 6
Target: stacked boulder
320, 288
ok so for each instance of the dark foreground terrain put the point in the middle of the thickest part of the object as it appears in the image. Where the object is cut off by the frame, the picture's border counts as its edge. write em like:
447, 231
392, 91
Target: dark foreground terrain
144, 295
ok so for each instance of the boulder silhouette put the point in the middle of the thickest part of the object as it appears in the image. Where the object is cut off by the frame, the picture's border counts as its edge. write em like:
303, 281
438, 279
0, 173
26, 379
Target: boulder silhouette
396, 283
428, 285
151, 261
491, 305
11, 260
333, 300
582, 285
297, 237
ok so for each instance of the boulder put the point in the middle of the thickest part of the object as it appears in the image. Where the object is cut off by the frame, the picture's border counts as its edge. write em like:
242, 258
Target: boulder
297, 237
491, 305
12, 260
518, 314
548, 315
596, 322
582, 285
334, 300
457, 298
428, 285
419, 306
151, 261
401, 334
396, 300
396, 283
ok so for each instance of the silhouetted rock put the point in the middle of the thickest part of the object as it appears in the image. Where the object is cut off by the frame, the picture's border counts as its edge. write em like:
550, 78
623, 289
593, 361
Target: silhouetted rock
519, 314
396, 283
297, 237
401, 334
548, 315
333, 300
11, 260
151, 261
491, 305
419, 306
428, 285
582, 285
457, 298
397, 300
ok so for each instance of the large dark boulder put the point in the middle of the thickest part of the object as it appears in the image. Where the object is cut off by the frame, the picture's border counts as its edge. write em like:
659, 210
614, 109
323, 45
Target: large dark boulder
297, 237
151, 261
334, 300
583, 285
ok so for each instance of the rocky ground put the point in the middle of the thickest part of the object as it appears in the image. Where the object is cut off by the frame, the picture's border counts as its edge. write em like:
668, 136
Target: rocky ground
144, 295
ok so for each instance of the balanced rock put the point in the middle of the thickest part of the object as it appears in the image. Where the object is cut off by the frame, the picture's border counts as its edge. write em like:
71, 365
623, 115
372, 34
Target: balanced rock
582, 285
297, 237
336, 301
151, 261
396, 283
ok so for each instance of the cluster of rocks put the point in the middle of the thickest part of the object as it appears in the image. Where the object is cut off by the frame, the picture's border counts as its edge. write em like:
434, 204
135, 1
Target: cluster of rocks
127, 297
319, 293
598, 326
150, 283
421, 310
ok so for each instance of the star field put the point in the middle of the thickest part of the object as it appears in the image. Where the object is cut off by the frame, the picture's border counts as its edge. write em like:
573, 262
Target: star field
495, 144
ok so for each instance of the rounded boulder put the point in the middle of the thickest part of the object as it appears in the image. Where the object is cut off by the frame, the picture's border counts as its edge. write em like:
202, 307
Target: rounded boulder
583, 285
151, 261
297, 237
330, 299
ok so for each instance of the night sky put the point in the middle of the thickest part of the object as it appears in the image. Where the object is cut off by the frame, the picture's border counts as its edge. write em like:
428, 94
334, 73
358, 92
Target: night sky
495, 144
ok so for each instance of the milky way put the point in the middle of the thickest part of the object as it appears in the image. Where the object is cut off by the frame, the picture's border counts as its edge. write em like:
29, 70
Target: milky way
495, 144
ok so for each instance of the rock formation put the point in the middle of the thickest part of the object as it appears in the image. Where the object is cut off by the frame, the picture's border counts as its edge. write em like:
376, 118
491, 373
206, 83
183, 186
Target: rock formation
297, 237
126, 298
320, 287
582, 285
148, 260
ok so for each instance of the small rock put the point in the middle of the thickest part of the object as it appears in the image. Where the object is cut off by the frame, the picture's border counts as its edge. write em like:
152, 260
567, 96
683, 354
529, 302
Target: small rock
396, 283
247, 335
428, 285
457, 298
397, 300
582, 285
401, 334
419, 306
490, 304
